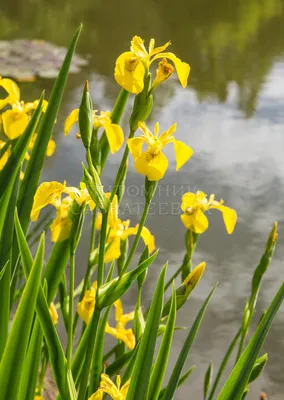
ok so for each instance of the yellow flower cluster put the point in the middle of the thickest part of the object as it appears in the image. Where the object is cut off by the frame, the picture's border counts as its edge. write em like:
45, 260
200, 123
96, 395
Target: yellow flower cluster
85, 309
116, 392
15, 119
50, 193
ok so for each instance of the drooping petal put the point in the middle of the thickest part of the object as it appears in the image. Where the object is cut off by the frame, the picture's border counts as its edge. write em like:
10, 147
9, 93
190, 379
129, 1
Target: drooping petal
229, 217
118, 309
113, 251
126, 335
125, 388
135, 146
50, 148
154, 167
13, 92
148, 239
196, 222
113, 212
60, 229
115, 137
183, 153
70, 121
129, 72
14, 123
47, 193
182, 68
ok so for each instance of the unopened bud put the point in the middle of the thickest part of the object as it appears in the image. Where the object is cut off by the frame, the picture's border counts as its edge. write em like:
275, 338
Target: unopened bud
142, 106
86, 117
258, 367
164, 71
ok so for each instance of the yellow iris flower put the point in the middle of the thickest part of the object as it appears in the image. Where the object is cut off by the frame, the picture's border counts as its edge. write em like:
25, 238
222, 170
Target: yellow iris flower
118, 230
16, 119
116, 392
113, 132
119, 332
50, 193
195, 205
53, 313
131, 66
85, 308
38, 398
152, 162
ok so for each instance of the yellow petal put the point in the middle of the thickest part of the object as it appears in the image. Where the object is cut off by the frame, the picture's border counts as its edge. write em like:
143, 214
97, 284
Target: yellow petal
50, 148
183, 153
195, 275
196, 222
14, 123
47, 193
33, 105
85, 308
113, 251
113, 212
5, 156
125, 388
188, 201
229, 217
137, 47
115, 137
13, 92
126, 335
70, 121
182, 68
154, 167
148, 238
118, 309
129, 72
157, 50
53, 313
135, 146
167, 136
98, 395
60, 229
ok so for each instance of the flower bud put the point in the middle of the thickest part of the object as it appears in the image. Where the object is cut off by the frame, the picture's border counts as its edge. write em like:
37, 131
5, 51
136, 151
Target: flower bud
183, 291
95, 188
86, 117
258, 367
138, 323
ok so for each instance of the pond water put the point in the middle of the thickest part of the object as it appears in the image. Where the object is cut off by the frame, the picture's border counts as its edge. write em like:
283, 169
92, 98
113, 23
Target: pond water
231, 114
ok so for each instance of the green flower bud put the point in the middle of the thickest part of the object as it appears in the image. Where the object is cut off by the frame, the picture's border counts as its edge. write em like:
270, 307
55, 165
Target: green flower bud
258, 367
95, 188
86, 117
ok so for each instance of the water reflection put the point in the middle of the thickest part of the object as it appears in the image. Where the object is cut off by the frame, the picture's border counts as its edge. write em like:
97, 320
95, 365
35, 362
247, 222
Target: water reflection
235, 49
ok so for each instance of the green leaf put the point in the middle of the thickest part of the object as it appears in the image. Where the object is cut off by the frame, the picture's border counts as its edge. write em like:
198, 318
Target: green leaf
13, 360
235, 385
140, 378
55, 351
12, 167
32, 364
119, 363
208, 380
258, 367
224, 363
174, 379
114, 289
5, 257
35, 164
159, 369
2, 272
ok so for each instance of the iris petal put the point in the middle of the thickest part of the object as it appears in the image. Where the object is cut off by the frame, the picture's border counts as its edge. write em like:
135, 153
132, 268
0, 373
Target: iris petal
115, 137
182, 68
154, 167
183, 153
129, 72
70, 121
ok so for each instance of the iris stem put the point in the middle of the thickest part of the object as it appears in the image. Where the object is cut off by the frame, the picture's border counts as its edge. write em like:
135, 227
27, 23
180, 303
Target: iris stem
120, 172
71, 307
103, 238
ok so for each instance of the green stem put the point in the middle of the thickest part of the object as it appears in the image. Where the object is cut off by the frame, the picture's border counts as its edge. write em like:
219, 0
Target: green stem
89, 268
120, 172
168, 284
71, 306
137, 237
89, 354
